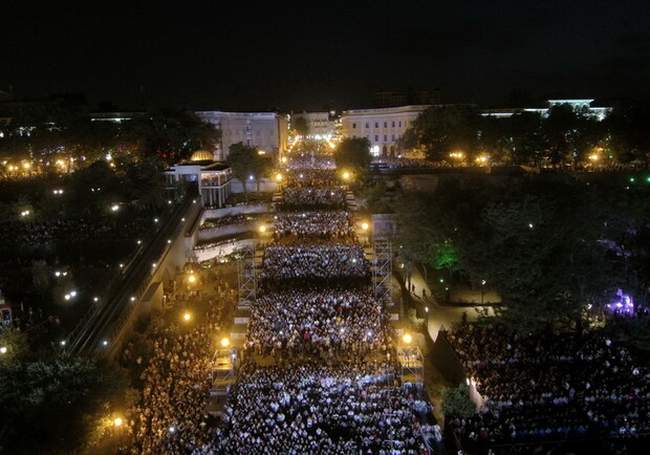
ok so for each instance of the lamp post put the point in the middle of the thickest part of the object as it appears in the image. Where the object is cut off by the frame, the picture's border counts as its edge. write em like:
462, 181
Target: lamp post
482, 290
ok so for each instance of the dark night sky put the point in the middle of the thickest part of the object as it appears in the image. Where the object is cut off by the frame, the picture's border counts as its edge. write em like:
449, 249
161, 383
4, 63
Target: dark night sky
214, 55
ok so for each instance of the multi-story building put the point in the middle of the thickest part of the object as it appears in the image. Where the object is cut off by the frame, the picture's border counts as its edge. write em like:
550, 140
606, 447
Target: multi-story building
212, 178
268, 131
581, 105
320, 125
382, 127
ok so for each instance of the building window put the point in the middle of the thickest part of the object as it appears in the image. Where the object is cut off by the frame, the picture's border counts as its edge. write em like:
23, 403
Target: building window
385, 124
393, 124
354, 125
376, 138
376, 124
392, 137
385, 138
400, 123
367, 125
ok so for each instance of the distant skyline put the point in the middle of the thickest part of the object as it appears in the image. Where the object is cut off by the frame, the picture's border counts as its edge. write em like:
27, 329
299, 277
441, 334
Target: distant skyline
333, 55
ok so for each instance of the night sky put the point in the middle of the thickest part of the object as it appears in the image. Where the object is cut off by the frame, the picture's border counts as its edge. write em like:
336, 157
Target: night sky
334, 55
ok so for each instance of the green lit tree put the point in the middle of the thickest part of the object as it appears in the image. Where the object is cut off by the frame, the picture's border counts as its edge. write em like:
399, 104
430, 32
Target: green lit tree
456, 402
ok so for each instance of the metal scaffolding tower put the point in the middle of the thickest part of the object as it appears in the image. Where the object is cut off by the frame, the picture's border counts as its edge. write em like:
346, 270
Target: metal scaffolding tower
247, 278
411, 364
382, 270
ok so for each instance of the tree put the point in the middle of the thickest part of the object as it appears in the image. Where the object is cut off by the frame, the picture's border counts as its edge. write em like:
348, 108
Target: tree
171, 135
144, 183
353, 154
440, 130
456, 402
244, 161
538, 241
46, 402
16, 345
301, 126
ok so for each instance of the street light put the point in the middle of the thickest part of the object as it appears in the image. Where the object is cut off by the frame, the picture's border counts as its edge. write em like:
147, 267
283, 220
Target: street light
3, 350
191, 279
407, 338
262, 229
187, 316
115, 208
225, 342
365, 226
278, 177
117, 422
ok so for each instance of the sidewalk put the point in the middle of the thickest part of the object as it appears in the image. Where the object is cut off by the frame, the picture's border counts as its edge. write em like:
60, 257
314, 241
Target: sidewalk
439, 316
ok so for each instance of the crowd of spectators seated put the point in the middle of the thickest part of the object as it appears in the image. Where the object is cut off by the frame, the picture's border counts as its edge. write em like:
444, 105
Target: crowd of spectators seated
309, 161
294, 198
357, 407
312, 178
550, 386
333, 224
211, 223
321, 321
171, 415
282, 262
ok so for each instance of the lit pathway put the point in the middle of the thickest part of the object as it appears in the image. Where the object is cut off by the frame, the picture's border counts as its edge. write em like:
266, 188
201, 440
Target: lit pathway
440, 316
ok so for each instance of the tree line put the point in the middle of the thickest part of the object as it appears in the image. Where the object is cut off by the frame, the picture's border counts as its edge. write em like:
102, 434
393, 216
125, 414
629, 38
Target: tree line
565, 137
553, 246
50, 130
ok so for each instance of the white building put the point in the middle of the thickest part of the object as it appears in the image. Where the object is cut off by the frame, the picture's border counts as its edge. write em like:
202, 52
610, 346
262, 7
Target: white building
268, 131
580, 104
212, 178
320, 125
382, 127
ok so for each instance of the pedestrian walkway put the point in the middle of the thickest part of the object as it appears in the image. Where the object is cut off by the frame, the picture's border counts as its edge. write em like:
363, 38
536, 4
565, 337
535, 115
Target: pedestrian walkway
440, 317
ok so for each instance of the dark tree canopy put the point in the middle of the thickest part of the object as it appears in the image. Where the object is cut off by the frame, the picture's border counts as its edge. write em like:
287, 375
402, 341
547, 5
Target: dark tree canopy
537, 240
353, 153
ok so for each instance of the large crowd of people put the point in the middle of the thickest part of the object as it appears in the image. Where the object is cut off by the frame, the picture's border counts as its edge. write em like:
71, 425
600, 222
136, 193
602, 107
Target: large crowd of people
283, 262
319, 375
171, 416
316, 409
550, 386
322, 321
212, 223
312, 178
334, 224
403, 163
315, 198
36, 233
310, 161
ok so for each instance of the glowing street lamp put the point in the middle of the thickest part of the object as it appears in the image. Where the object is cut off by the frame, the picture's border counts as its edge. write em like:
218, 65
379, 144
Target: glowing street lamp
407, 338
262, 229
346, 176
115, 208
187, 316
191, 278
278, 177
225, 342
117, 422
3, 350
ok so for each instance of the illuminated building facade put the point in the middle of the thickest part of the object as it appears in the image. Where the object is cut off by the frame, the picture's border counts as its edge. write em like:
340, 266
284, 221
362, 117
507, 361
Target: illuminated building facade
320, 125
212, 178
268, 131
579, 104
382, 127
